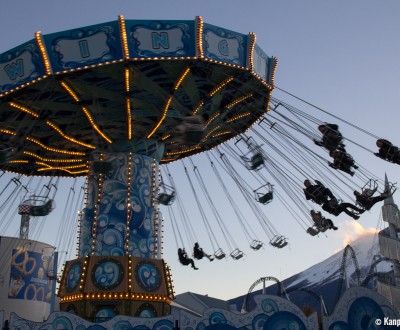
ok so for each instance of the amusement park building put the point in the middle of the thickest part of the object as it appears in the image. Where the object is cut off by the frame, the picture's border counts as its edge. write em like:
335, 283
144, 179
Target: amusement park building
389, 242
26, 285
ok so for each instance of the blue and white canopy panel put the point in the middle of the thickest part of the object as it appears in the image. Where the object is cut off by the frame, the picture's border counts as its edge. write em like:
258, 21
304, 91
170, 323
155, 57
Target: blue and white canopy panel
124, 86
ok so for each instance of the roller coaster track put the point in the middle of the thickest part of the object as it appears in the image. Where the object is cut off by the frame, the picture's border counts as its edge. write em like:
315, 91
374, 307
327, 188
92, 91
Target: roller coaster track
371, 273
281, 290
342, 273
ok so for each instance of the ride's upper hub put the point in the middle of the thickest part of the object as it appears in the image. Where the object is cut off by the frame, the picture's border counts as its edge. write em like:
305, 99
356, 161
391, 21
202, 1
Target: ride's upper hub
124, 86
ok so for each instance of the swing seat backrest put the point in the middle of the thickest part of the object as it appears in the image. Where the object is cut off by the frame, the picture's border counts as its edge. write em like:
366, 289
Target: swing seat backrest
236, 254
41, 210
219, 254
166, 199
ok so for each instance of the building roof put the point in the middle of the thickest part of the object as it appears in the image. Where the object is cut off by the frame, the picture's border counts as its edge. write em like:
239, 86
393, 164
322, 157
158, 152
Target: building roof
197, 303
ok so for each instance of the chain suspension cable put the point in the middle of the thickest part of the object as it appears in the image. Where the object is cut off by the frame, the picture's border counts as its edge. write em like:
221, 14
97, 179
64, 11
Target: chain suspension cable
241, 218
225, 232
207, 225
262, 219
184, 217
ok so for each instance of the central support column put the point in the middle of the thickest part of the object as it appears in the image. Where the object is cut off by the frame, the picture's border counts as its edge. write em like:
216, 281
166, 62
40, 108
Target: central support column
121, 214
119, 270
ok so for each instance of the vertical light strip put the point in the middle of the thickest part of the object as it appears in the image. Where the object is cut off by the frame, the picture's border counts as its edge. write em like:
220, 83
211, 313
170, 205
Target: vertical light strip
128, 204
212, 93
252, 36
181, 78
199, 37
85, 111
124, 39
155, 206
160, 219
85, 203
128, 102
272, 83
26, 110
43, 52
167, 104
162, 117
96, 209
80, 214
129, 274
220, 86
273, 72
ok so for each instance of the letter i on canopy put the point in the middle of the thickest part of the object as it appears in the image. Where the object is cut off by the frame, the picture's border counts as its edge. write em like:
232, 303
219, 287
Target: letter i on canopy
84, 47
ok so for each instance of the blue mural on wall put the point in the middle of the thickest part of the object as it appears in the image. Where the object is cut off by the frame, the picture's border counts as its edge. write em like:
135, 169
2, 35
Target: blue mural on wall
28, 276
107, 274
357, 310
73, 277
148, 276
362, 315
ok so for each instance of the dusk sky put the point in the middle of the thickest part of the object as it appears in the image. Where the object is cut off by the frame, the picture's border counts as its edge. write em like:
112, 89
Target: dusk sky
341, 56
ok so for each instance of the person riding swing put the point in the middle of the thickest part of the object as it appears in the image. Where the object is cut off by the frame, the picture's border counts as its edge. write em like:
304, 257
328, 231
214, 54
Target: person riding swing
184, 259
198, 253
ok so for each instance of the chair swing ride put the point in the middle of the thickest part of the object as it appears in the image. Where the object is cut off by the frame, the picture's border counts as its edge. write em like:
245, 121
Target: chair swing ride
124, 104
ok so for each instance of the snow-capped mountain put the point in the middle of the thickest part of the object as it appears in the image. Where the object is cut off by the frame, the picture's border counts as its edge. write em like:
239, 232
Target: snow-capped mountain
328, 277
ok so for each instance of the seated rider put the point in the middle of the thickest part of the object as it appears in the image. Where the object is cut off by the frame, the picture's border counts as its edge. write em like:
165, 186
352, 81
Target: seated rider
198, 252
318, 193
331, 137
367, 201
322, 222
342, 161
388, 151
184, 259
335, 208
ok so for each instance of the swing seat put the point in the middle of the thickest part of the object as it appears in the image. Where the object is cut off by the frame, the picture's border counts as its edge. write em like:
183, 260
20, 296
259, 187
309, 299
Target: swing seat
41, 210
219, 254
279, 242
256, 161
256, 245
198, 256
312, 231
236, 254
166, 199
267, 198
